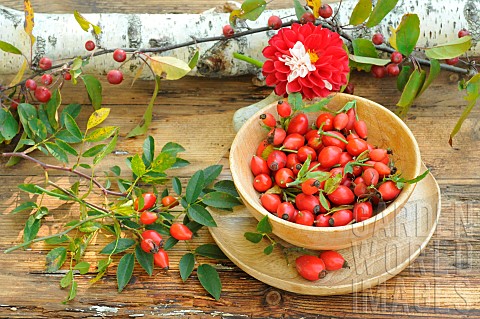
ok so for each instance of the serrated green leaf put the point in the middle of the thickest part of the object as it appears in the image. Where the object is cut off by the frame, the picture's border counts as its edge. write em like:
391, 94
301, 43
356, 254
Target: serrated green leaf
407, 34
381, 9
299, 9
201, 215
163, 162
172, 149
264, 225
144, 259
116, 247
186, 265
177, 186
170, 243
318, 106
253, 237
8, 124
27, 113
56, 258
295, 100
194, 187
30, 188
252, 9
93, 151
137, 165
361, 12
94, 90
56, 240
226, 186
67, 279
147, 116
72, 109
450, 49
210, 280
24, 206
180, 162
56, 152
32, 226
52, 108
148, 150
97, 117
403, 77
125, 271
38, 128
211, 251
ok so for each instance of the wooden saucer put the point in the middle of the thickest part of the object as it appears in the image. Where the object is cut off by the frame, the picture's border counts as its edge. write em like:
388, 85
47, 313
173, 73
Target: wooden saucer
372, 262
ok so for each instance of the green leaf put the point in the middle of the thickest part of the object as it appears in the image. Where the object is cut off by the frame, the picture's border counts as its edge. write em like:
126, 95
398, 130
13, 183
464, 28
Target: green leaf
295, 100
318, 106
162, 162
220, 200
211, 173
186, 265
177, 186
210, 280
172, 149
323, 201
27, 113
66, 147
403, 77
32, 226
8, 124
72, 127
367, 60
211, 251
52, 108
24, 206
418, 178
434, 72
450, 49
42, 115
90, 227
407, 34
67, 279
125, 271
138, 167
56, 240
226, 186
264, 225
116, 247
144, 259
147, 116
72, 109
38, 128
193, 61
94, 150
168, 67
57, 152
382, 8
110, 147
180, 162
299, 9
413, 86
94, 90
361, 12
363, 48
201, 215
252, 9
332, 183
73, 291
85, 24
253, 237
194, 187
7, 47
56, 258
83, 267
268, 250
30, 188
97, 117
148, 150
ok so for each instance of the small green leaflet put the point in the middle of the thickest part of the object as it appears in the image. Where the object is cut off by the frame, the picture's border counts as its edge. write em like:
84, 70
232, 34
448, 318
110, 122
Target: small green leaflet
210, 251
30, 231
268, 250
24, 206
116, 247
8, 124
252, 9
7, 47
253, 237
220, 200
148, 150
147, 116
295, 100
94, 90
85, 24
56, 258
125, 271
210, 280
363, 48
299, 10
211, 173
186, 265
264, 226
83, 267
177, 186
402, 78
144, 259
407, 34
194, 187
138, 167
201, 215
97, 117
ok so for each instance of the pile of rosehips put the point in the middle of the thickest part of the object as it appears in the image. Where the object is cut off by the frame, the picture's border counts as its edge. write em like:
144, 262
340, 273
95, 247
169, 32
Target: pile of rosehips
313, 268
325, 174
151, 240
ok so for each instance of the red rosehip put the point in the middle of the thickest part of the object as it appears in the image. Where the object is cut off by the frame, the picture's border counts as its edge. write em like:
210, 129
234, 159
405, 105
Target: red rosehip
462, 33
119, 55
114, 77
377, 39
378, 71
307, 17
325, 11
274, 22
67, 76
90, 45
42, 94
47, 79
45, 63
393, 69
452, 61
228, 31
31, 84
396, 57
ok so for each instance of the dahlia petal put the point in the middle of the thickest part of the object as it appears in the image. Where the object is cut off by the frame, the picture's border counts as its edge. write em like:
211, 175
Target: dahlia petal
313, 42
308, 93
281, 88
305, 82
269, 66
271, 80
281, 67
281, 76
294, 86
290, 37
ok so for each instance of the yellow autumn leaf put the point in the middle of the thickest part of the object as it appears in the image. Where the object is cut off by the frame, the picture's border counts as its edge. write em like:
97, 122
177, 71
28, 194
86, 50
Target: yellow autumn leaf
315, 5
168, 67
393, 38
19, 75
97, 117
29, 21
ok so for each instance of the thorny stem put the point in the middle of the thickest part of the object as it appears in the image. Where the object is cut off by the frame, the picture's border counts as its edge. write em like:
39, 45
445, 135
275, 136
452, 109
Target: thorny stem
65, 169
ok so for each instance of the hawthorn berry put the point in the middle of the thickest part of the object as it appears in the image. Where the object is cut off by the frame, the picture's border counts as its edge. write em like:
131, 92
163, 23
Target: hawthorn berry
462, 33
307, 17
377, 39
325, 11
119, 55
378, 71
31, 84
47, 79
274, 22
392, 69
45, 63
43, 94
396, 57
14, 104
228, 31
114, 77
89, 45
67, 76
452, 61
349, 89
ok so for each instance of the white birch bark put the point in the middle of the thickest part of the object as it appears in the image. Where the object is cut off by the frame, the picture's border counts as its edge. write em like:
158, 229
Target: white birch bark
60, 37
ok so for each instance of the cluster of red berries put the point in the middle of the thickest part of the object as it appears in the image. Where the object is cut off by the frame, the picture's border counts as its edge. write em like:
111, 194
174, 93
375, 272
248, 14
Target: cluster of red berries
152, 241
313, 268
328, 175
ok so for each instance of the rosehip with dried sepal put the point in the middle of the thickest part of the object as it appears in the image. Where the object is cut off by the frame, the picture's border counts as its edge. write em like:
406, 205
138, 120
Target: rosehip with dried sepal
333, 260
90, 45
119, 55
114, 77
310, 267
284, 109
228, 31
31, 84
47, 79
160, 258
268, 119
43, 94
377, 39
307, 17
151, 241
45, 63
325, 11
274, 22
452, 61
396, 57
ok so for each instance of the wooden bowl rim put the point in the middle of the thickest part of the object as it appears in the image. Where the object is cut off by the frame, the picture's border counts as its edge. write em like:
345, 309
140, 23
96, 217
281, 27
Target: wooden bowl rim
401, 200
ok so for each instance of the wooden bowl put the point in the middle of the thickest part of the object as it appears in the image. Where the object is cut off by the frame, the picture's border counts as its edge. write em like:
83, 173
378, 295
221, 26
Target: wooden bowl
385, 130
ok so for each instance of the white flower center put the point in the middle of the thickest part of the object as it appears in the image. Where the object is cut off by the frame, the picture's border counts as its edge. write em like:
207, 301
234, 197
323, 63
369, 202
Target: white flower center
299, 62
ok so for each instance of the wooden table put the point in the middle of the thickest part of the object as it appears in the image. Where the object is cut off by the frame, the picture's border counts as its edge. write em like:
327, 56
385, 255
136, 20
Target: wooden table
443, 282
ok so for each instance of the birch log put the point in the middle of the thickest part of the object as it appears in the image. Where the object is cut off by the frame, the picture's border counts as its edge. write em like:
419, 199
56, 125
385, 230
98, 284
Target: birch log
60, 37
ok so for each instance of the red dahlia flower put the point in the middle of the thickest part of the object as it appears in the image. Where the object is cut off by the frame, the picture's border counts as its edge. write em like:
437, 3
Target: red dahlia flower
307, 59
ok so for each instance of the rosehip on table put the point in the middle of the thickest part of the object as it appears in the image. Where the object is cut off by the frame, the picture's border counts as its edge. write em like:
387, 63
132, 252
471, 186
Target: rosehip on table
160, 258
333, 260
180, 232
310, 267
